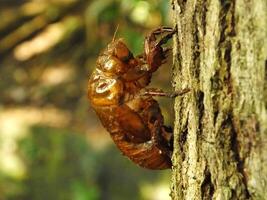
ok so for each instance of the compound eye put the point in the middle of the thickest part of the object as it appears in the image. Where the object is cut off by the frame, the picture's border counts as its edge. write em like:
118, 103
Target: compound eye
122, 52
127, 58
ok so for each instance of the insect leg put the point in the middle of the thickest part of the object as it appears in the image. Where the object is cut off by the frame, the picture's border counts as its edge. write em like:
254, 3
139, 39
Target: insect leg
164, 33
161, 93
163, 29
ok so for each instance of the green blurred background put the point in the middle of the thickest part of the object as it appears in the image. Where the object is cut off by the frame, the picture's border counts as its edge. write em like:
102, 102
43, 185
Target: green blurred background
52, 145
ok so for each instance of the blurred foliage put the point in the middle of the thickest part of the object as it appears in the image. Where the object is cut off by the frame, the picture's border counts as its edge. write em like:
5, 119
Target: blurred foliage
62, 164
52, 145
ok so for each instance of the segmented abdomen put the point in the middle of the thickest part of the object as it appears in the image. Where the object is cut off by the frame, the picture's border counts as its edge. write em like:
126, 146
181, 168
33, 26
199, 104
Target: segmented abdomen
137, 133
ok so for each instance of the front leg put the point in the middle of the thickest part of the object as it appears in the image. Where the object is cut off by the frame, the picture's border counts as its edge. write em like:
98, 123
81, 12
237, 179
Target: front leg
155, 54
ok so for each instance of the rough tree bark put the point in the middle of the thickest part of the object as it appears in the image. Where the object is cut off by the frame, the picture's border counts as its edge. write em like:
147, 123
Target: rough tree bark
220, 134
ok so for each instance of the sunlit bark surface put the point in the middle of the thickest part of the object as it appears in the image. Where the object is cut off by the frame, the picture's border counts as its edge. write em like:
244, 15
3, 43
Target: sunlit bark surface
221, 125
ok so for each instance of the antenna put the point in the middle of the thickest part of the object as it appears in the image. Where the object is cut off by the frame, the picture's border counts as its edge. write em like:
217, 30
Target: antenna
115, 33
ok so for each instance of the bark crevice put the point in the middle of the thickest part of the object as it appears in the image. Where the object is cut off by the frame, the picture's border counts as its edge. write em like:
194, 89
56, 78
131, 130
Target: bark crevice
207, 187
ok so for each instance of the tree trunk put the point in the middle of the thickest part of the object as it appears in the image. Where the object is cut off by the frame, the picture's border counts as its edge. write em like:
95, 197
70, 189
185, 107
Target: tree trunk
220, 149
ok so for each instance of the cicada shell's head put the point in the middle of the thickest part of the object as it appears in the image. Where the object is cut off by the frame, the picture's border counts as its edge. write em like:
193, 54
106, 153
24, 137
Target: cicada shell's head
116, 59
118, 49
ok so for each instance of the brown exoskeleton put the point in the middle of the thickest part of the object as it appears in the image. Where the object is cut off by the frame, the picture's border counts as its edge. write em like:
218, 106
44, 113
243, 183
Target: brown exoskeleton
126, 108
